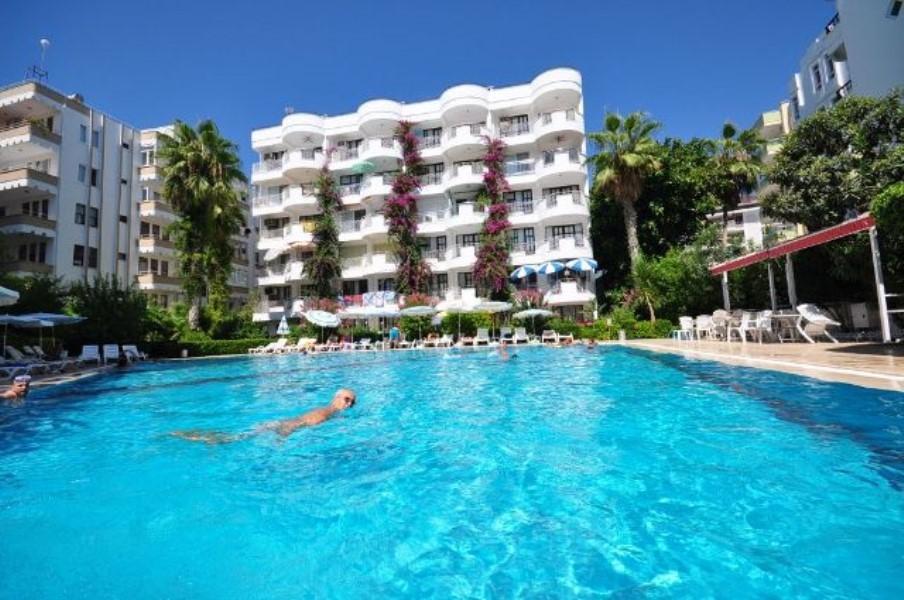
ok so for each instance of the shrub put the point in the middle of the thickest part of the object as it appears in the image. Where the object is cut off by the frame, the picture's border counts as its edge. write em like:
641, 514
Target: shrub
563, 326
114, 313
173, 349
416, 327
470, 322
646, 329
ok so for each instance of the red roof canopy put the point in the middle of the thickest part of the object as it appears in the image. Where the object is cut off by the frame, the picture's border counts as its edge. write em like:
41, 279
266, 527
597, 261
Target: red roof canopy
817, 238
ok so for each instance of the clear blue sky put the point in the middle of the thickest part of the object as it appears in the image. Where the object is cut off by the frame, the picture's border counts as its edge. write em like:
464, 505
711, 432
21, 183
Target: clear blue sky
693, 64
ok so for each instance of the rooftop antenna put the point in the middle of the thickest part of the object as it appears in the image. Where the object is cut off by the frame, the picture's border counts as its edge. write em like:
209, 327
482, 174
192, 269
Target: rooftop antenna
35, 72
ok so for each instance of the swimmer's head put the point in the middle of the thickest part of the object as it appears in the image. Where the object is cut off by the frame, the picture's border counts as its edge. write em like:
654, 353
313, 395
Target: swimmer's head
344, 398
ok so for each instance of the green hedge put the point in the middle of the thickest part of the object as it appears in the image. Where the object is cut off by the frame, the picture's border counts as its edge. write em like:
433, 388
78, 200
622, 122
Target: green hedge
200, 347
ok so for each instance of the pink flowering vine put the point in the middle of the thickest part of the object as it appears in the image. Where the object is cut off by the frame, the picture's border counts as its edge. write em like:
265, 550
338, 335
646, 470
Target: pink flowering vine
491, 270
400, 210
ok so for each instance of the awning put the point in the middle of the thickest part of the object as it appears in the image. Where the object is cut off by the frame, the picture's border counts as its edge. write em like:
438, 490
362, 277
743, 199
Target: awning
817, 238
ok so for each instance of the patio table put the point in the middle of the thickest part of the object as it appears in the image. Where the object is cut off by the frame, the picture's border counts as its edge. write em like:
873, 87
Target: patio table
784, 324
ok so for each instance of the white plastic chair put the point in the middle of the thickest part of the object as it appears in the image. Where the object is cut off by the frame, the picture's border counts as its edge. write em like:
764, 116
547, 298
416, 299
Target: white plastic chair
744, 328
685, 329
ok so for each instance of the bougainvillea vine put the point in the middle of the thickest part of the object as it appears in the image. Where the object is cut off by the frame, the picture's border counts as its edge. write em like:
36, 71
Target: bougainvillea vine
324, 268
400, 210
491, 270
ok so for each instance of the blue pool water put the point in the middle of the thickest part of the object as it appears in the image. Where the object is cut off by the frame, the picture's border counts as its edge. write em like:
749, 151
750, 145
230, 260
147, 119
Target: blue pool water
562, 473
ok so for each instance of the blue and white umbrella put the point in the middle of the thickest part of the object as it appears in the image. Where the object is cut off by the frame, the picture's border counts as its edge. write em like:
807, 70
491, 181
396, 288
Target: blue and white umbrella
8, 296
523, 271
582, 265
551, 268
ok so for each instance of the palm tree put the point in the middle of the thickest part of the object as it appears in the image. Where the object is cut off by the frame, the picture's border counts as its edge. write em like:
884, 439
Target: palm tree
200, 172
738, 164
324, 268
627, 155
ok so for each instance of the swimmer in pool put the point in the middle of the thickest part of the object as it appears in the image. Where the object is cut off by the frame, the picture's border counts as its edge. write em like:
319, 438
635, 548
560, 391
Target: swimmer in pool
343, 399
15, 395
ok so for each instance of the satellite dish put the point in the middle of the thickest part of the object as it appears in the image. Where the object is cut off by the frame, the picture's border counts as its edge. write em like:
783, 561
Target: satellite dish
45, 43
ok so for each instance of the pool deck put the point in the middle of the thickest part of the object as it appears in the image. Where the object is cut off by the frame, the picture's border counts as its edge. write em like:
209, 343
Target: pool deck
864, 364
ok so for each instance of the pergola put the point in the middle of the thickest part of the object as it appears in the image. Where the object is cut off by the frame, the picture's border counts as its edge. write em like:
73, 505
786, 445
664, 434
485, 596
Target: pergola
864, 222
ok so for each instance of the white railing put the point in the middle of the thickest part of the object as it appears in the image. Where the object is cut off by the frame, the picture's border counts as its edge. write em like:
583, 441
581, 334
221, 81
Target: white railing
267, 200
266, 166
269, 234
520, 207
558, 242
467, 168
510, 128
353, 262
344, 153
431, 141
350, 189
554, 200
432, 216
523, 247
434, 254
519, 167
431, 178
350, 226
548, 118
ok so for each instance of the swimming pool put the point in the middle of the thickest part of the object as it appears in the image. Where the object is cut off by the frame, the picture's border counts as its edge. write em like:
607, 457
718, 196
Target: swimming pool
563, 472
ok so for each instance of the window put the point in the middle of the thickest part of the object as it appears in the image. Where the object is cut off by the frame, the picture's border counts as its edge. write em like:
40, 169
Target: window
513, 125
78, 256
92, 217
123, 219
440, 243
126, 145
438, 284
895, 9
520, 201
830, 68
122, 256
518, 163
92, 258
557, 232
468, 239
465, 280
386, 285
795, 108
164, 268
148, 157
36, 208
82, 173
145, 194
432, 174
79, 214
817, 78
95, 138
430, 138
83, 133
93, 177
523, 240
123, 181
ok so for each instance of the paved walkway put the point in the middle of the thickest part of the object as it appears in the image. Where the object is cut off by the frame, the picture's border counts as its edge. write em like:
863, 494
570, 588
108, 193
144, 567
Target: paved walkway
870, 365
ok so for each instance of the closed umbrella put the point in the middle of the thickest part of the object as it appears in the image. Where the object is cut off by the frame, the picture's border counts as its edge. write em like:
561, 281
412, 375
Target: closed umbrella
283, 328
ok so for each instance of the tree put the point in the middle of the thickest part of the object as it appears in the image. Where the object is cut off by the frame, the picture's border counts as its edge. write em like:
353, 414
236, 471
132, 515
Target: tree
201, 169
627, 156
837, 160
412, 272
671, 209
37, 293
737, 165
491, 269
114, 312
888, 208
324, 268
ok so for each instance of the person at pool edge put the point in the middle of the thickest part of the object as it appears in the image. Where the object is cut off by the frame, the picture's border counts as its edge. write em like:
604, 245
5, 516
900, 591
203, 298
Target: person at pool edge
343, 399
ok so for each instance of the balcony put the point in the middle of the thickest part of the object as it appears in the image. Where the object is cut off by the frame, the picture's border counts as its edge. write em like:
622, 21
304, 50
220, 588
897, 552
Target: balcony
510, 129
266, 170
154, 244
563, 208
344, 153
430, 141
17, 179
558, 168
350, 189
565, 247
377, 149
523, 253
266, 204
466, 174
362, 266
270, 310
432, 221
464, 140
515, 168
429, 180
461, 256
374, 227
31, 133
157, 210
148, 172
26, 267
302, 163
843, 92
293, 270
378, 185
300, 199
28, 225
568, 293
350, 230
148, 280
563, 125
465, 216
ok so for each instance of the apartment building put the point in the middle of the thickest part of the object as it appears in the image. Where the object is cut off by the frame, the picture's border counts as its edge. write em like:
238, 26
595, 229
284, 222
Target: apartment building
67, 186
542, 124
158, 270
858, 52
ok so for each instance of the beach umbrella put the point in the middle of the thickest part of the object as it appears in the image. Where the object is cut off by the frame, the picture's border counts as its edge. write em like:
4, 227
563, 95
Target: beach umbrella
322, 319
582, 265
54, 319
363, 167
550, 268
8, 296
493, 307
283, 328
418, 311
30, 323
458, 307
532, 313
6, 321
523, 271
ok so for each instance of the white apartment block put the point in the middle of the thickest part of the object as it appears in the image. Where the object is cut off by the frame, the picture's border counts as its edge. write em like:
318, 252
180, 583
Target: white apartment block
542, 124
67, 187
859, 52
158, 268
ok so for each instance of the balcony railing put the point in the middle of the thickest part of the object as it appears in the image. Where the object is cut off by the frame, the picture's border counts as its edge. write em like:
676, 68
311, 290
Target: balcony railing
520, 207
350, 189
353, 262
467, 168
553, 200
432, 216
351, 226
267, 200
556, 242
844, 91
519, 167
278, 232
266, 166
345, 153
309, 154
830, 26
434, 254
513, 129
431, 141
525, 247
431, 179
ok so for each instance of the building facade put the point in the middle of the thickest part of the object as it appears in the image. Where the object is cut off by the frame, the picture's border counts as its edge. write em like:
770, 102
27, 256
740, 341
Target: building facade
158, 269
67, 187
858, 52
542, 124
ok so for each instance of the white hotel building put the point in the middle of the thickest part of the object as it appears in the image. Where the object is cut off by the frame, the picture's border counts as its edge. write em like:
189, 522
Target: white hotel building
542, 124
67, 187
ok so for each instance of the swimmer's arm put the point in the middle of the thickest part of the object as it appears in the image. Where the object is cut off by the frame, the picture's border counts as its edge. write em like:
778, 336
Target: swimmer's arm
211, 437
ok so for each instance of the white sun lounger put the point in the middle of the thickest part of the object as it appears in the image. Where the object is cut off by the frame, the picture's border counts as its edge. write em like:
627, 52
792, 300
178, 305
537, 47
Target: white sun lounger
814, 322
133, 353
520, 336
549, 337
111, 353
90, 354
482, 337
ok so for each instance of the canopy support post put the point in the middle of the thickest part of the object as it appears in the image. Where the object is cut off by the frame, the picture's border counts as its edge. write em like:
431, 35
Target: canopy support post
726, 299
789, 276
880, 285
772, 299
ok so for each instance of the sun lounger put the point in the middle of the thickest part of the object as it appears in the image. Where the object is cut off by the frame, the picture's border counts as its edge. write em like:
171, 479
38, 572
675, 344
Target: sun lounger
37, 365
363, 344
278, 346
445, 341
90, 354
520, 336
261, 349
814, 322
133, 353
111, 353
505, 334
482, 338
549, 337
